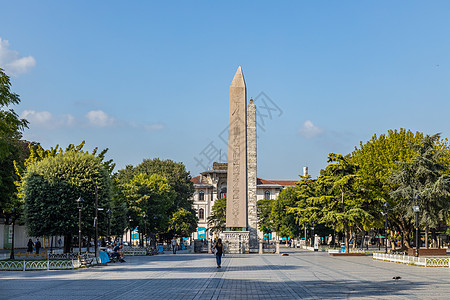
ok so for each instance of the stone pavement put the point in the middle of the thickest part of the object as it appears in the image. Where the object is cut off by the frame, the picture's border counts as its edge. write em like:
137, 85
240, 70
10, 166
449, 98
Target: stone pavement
301, 275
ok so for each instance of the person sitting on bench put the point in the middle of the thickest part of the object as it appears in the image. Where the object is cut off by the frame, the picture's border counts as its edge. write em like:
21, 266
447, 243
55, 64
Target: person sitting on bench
117, 253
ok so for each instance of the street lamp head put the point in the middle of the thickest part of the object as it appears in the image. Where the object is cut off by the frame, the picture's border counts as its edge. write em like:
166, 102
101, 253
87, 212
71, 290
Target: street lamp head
385, 204
416, 208
109, 211
80, 202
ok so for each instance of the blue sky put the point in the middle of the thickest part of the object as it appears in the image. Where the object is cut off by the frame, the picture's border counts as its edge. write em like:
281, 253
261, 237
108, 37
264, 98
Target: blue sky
151, 79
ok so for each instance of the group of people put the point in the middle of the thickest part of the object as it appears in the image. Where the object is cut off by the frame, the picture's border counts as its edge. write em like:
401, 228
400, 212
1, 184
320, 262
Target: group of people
115, 252
36, 246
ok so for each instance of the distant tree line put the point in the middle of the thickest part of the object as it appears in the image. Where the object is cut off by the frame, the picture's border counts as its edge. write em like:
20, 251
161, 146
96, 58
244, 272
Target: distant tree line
385, 176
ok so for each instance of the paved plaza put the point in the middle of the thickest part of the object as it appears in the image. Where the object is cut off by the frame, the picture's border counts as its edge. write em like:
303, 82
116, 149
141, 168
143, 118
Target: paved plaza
301, 275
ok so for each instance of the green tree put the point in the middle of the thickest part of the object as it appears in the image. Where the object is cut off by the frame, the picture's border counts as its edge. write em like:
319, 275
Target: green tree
283, 220
11, 148
183, 223
151, 196
52, 186
263, 211
378, 159
8, 177
178, 178
425, 177
343, 206
306, 208
10, 123
217, 219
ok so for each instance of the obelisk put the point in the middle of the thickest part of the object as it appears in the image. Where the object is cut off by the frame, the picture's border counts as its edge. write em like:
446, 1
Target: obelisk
237, 154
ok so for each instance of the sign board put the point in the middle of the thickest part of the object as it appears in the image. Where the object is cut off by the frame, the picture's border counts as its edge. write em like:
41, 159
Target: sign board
201, 232
135, 234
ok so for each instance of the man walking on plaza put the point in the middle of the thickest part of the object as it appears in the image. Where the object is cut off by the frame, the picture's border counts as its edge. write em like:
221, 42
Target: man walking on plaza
37, 245
174, 245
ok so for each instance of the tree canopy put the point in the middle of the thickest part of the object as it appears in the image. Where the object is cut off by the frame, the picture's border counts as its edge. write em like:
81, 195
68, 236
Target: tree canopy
52, 186
134, 185
423, 181
11, 148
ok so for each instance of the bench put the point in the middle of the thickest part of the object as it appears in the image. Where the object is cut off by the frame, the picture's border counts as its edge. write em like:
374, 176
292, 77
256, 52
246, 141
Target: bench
428, 252
85, 260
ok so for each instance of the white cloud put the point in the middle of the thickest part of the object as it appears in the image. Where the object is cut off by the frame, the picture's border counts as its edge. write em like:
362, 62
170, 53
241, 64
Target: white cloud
309, 130
11, 61
38, 118
99, 118
46, 119
95, 118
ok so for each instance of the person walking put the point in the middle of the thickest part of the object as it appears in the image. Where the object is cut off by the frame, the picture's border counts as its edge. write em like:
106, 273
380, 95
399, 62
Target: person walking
30, 246
218, 250
37, 245
174, 245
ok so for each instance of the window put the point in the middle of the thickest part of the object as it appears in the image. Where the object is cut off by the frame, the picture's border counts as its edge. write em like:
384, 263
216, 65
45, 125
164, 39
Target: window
223, 193
267, 195
201, 214
201, 196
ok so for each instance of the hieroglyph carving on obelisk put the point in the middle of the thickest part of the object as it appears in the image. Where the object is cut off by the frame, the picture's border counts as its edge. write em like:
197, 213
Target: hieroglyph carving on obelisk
251, 174
237, 154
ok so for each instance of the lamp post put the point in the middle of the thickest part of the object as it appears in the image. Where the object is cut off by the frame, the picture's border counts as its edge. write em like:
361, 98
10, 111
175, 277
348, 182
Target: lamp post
96, 220
385, 226
129, 222
13, 216
306, 228
108, 215
416, 209
334, 236
80, 202
145, 230
312, 234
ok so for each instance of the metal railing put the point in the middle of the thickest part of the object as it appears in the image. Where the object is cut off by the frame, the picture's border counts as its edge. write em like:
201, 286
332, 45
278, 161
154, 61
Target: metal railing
18, 265
132, 251
412, 260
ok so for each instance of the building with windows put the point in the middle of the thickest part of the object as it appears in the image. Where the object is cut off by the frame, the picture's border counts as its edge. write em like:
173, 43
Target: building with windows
212, 185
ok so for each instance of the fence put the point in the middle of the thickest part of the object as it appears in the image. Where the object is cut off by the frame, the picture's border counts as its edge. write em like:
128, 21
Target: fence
17, 265
132, 251
412, 260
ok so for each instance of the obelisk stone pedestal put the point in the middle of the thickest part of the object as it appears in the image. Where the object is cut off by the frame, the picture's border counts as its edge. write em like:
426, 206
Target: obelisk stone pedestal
236, 241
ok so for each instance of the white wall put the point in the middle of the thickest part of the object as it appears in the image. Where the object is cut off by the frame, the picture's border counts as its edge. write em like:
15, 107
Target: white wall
21, 237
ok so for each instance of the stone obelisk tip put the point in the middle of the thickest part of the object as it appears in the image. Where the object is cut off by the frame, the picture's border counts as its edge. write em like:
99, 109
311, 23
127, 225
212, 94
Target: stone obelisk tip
238, 80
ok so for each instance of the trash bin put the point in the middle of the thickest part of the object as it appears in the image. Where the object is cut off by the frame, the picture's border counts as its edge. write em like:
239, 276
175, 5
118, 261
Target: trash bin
342, 249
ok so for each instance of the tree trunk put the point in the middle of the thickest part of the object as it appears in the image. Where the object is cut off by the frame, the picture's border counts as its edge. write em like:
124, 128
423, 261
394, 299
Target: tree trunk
67, 243
402, 241
354, 239
434, 243
426, 236
406, 231
346, 234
